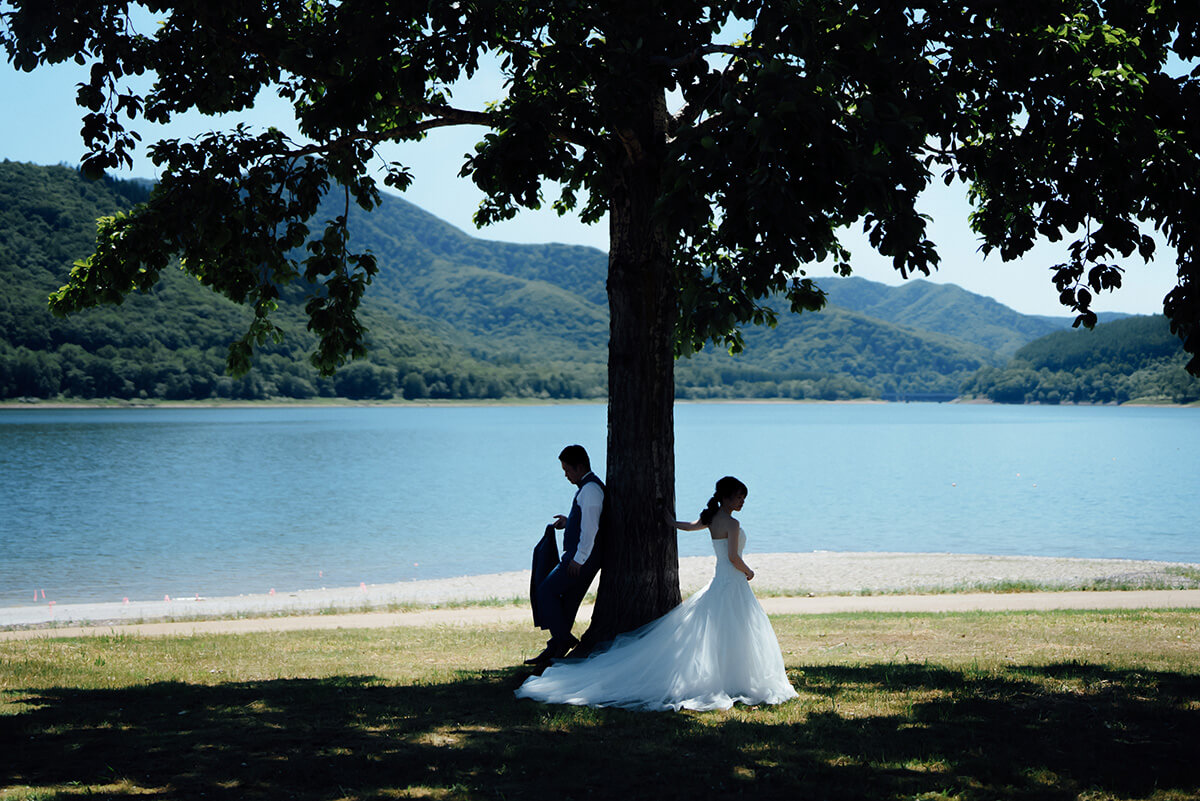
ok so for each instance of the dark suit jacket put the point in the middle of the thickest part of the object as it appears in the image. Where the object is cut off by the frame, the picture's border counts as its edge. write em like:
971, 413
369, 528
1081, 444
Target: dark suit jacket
545, 559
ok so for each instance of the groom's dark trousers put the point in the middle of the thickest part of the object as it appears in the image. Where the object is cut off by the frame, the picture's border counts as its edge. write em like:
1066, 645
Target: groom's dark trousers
560, 593
559, 596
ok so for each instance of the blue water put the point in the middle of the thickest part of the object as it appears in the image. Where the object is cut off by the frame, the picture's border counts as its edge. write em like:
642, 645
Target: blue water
103, 504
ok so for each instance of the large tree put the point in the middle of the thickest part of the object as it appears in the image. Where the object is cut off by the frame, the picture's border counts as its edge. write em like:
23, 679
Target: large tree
726, 162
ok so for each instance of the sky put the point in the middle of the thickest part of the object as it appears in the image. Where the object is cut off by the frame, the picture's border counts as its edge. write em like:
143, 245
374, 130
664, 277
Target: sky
41, 126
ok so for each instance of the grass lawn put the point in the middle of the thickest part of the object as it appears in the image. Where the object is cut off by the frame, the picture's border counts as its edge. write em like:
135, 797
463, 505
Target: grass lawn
1036, 705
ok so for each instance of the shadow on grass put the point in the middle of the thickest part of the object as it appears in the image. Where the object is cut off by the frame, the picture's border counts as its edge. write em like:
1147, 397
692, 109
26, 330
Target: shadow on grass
1025, 733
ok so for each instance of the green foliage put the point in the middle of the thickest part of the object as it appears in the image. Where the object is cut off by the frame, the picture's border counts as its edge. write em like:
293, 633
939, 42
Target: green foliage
1131, 359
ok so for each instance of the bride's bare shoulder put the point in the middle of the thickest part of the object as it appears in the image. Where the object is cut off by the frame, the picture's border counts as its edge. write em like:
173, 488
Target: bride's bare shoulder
722, 527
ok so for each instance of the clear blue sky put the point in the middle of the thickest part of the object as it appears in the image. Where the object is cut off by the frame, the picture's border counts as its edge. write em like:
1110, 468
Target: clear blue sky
41, 126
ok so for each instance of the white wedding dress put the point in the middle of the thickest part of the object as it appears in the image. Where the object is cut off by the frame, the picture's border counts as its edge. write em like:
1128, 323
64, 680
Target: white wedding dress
714, 649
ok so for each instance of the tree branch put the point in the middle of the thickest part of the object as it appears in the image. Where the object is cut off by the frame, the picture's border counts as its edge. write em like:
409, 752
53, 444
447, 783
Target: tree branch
691, 111
448, 115
686, 116
699, 53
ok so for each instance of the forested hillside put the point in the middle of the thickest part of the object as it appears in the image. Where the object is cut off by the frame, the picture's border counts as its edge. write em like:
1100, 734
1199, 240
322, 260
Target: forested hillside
891, 361
945, 308
450, 316
172, 342
546, 302
1136, 358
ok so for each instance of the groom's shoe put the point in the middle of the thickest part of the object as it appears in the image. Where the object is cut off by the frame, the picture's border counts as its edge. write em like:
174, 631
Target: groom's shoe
562, 647
555, 649
544, 657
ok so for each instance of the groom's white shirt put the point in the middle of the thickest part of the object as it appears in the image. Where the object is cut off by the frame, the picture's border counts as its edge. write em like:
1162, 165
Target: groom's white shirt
591, 500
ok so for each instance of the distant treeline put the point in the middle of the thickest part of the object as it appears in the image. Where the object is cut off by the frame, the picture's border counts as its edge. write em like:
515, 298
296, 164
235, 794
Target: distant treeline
191, 374
71, 371
1134, 358
695, 380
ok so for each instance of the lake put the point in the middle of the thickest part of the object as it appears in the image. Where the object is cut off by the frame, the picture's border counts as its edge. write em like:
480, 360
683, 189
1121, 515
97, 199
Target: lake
101, 504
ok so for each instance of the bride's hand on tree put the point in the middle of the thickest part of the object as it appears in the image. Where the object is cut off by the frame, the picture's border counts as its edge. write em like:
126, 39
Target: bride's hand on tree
682, 526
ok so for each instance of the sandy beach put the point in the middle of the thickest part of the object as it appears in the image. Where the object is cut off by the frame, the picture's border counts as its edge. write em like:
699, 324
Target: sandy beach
786, 583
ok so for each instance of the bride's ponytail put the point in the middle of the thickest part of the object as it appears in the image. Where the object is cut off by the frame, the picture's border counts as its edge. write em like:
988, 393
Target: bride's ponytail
706, 514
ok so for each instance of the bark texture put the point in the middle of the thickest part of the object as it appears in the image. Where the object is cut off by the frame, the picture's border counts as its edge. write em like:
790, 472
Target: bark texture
640, 576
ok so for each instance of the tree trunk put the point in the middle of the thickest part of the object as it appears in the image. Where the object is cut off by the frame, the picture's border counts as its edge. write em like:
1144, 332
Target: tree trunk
640, 576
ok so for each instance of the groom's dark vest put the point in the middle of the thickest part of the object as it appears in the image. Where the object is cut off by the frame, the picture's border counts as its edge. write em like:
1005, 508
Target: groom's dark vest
575, 521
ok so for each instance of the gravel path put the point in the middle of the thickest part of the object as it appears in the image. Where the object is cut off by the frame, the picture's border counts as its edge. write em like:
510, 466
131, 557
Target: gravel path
879, 576
493, 616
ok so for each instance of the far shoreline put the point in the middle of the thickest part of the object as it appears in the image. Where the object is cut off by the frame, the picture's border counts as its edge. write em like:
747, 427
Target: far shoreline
9, 404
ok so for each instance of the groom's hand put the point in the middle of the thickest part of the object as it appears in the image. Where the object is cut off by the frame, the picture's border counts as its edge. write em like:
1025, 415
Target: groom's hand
560, 522
573, 568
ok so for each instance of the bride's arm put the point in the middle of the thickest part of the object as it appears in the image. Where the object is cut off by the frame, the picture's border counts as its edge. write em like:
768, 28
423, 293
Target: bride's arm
682, 526
736, 560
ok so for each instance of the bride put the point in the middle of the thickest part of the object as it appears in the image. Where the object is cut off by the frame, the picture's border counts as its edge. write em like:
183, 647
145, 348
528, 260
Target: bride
714, 649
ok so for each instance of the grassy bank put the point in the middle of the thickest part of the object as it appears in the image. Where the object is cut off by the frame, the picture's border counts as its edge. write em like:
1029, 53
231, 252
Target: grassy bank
961, 706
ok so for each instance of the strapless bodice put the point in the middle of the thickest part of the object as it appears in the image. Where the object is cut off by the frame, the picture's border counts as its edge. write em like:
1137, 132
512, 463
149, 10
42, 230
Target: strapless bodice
721, 549
721, 546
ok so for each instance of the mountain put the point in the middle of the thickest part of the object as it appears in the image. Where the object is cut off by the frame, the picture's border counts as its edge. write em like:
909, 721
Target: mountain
1134, 358
888, 360
950, 310
495, 299
945, 308
449, 315
524, 302
546, 303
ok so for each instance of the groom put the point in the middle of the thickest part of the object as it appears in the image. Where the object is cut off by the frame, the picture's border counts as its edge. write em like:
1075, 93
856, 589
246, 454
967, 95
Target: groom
558, 595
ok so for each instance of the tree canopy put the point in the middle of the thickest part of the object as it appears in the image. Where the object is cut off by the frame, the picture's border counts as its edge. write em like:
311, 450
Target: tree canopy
727, 164
825, 114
